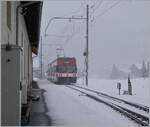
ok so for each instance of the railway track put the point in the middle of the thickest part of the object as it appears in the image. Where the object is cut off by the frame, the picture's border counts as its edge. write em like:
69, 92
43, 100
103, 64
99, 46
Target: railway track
139, 106
138, 117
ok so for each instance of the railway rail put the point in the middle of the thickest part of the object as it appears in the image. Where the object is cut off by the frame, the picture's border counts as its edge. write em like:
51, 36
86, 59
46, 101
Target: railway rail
139, 106
101, 97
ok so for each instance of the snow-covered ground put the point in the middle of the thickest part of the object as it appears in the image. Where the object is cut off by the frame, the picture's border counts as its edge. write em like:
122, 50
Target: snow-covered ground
140, 88
67, 107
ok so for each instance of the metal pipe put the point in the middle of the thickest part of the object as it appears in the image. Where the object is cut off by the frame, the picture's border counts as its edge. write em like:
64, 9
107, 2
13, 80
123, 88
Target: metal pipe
87, 45
41, 58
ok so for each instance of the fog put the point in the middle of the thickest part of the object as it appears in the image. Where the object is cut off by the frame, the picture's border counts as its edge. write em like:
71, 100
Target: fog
118, 32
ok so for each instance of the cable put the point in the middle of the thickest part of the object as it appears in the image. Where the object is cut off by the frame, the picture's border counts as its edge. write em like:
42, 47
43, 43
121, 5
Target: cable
69, 38
78, 10
64, 29
92, 6
73, 34
62, 34
101, 14
99, 4
109, 8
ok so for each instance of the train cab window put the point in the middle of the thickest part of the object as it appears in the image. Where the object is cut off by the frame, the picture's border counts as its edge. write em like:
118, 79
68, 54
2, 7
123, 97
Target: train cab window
69, 69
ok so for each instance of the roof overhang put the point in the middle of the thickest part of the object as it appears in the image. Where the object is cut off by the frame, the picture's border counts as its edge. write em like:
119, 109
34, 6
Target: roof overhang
32, 16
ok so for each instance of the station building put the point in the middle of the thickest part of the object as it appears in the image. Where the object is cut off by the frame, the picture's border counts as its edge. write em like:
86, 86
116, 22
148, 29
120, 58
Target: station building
20, 31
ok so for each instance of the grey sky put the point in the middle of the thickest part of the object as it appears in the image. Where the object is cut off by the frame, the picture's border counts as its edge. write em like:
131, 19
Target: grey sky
119, 36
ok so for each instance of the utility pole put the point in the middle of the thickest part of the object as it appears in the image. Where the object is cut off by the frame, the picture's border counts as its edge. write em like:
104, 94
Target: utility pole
87, 43
41, 57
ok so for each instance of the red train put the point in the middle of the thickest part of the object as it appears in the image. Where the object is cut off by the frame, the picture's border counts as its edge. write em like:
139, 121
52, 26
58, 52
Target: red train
63, 70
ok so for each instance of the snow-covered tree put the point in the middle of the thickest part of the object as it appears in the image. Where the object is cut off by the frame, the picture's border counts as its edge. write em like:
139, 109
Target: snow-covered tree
147, 74
135, 71
116, 73
144, 70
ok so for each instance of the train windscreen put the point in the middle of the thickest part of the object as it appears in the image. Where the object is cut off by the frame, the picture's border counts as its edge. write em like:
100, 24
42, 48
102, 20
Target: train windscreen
69, 69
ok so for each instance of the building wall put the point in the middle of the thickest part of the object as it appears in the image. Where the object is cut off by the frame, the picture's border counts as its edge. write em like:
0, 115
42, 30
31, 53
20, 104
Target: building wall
0, 19
8, 36
0, 54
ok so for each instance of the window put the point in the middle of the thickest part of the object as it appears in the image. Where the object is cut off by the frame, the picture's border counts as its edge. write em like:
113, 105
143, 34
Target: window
9, 14
69, 69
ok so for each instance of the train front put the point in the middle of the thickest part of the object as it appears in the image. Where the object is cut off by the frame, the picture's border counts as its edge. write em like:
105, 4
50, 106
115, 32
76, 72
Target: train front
66, 70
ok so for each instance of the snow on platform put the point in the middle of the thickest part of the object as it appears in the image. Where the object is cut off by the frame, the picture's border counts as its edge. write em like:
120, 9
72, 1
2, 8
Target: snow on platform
67, 107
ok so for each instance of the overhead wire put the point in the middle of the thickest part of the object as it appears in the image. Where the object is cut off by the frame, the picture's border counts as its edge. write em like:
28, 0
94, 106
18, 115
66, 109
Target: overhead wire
69, 37
92, 6
112, 6
98, 5
78, 10
73, 33
78, 31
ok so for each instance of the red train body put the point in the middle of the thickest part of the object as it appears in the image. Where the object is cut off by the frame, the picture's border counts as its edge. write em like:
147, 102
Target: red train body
63, 70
